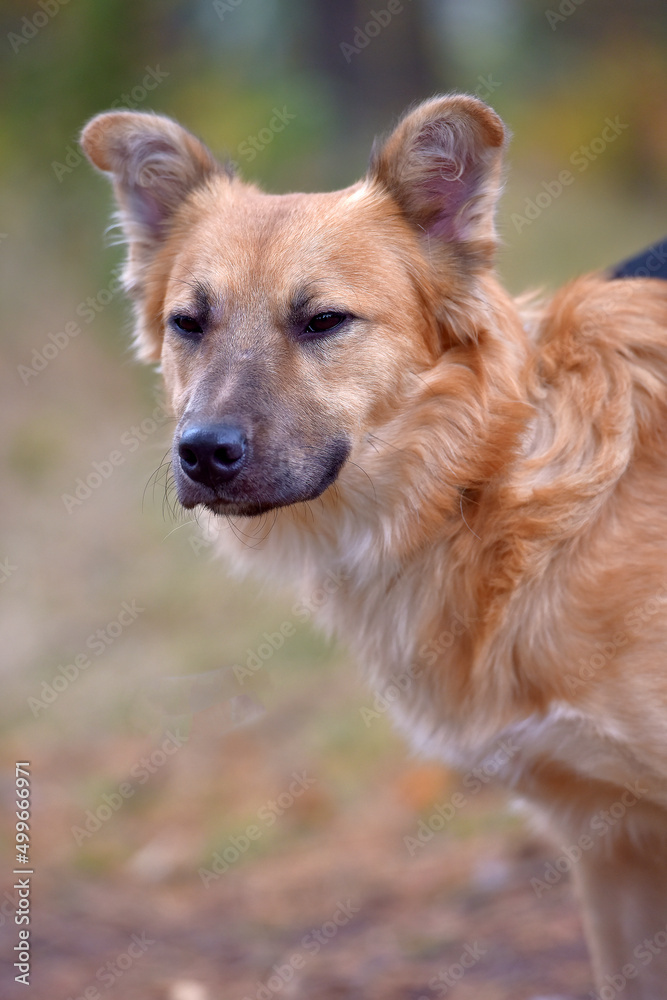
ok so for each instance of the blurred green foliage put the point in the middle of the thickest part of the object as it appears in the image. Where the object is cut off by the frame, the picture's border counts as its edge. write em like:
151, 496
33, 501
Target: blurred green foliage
554, 70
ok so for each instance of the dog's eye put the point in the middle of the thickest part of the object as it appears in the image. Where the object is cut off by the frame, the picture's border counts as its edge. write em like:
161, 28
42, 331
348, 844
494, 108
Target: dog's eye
324, 323
186, 325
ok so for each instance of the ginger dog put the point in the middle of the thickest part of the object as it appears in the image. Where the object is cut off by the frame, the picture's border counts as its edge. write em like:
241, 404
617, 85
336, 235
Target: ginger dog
349, 363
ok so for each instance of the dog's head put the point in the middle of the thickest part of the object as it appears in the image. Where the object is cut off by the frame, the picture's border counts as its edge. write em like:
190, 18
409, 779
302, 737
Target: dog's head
289, 326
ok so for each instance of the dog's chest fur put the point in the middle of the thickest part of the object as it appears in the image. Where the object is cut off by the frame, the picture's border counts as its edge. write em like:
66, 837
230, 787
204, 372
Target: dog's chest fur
386, 614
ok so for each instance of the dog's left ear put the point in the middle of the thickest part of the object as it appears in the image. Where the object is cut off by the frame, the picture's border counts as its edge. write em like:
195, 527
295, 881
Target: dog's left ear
442, 165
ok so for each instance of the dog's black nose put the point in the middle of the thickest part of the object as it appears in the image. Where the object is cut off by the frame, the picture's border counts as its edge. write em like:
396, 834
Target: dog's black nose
212, 453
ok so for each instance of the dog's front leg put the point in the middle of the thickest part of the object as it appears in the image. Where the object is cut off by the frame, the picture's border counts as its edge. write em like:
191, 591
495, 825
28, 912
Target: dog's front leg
624, 896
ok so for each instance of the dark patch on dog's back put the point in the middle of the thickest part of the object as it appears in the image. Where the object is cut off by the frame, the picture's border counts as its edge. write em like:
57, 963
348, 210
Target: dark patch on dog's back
650, 263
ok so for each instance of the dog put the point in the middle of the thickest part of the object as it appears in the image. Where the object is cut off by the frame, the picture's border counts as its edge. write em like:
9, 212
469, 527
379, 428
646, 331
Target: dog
355, 390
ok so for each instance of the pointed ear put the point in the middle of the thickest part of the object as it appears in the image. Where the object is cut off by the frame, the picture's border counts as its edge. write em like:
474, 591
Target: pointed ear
442, 165
154, 164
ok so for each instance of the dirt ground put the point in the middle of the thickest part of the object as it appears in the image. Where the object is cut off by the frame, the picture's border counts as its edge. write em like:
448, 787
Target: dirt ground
327, 902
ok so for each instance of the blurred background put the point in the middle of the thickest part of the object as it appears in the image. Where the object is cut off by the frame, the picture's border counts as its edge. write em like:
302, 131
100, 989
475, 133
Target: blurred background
199, 833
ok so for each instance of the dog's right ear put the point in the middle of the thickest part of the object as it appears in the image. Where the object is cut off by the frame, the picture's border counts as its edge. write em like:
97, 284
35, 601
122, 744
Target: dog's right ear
154, 164
442, 164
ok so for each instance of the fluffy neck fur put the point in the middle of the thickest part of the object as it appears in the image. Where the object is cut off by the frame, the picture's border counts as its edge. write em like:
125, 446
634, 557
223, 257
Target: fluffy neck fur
466, 515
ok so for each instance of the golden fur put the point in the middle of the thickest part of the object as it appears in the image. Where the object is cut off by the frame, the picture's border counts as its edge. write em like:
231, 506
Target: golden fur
507, 467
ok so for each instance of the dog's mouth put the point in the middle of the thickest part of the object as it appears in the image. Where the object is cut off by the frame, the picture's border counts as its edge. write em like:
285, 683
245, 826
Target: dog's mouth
246, 508
226, 508
236, 479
